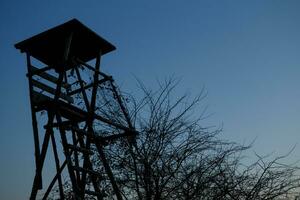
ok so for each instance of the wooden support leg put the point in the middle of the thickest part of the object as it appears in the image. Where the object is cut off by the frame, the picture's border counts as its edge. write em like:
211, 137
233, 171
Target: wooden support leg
54, 180
37, 178
34, 126
108, 171
76, 159
57, 165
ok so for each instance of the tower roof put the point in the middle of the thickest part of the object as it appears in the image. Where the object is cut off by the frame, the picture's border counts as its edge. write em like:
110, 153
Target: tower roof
49, 46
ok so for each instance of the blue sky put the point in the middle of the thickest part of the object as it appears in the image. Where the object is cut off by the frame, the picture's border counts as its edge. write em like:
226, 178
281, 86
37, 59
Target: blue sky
245, 53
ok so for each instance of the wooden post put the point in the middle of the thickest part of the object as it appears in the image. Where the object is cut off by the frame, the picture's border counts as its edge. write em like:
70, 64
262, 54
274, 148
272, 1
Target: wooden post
39, 184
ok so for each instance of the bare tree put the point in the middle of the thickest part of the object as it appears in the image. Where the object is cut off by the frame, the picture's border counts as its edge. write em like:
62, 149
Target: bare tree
175, 157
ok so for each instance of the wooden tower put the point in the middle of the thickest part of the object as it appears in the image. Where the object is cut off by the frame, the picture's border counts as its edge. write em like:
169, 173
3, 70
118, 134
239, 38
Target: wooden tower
65, 87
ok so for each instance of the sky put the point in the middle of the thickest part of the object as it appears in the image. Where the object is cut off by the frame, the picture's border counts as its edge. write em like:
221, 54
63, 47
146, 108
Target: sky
246, 54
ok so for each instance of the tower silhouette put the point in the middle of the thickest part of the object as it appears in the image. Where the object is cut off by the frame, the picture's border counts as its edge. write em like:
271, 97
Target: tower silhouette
80, 105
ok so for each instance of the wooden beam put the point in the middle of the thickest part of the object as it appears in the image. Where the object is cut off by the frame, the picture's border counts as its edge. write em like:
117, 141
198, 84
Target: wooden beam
71, 110
77, 148
87, 86
51, 90
92, 68
45, 75
54, 180
57, 165
113, 137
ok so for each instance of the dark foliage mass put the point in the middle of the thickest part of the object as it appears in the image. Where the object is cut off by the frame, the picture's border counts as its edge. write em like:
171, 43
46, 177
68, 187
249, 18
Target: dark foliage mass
175, 157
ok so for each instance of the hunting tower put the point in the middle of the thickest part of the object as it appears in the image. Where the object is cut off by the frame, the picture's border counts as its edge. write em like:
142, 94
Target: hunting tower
72, 94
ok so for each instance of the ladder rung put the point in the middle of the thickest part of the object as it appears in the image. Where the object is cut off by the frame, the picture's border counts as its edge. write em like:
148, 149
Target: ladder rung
77, 148
88, 86
79, 130
93, 137
51, 90
89, 192
104, 140
88, 171
45, 75
65, 124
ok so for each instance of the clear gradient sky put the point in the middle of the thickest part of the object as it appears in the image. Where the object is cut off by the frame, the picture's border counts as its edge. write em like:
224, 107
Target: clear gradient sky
245, 53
